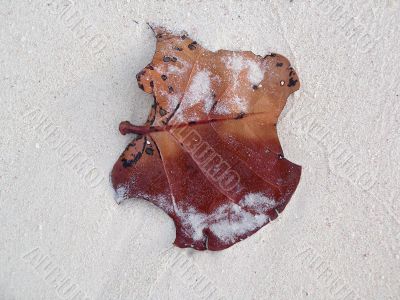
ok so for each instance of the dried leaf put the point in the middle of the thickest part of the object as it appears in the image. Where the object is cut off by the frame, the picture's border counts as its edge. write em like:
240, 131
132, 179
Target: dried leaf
209, 153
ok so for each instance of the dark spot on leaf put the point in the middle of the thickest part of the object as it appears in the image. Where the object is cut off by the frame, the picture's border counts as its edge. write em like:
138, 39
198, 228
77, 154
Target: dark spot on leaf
271, 54
130, 162
174, 59
164, 77
292, 82
166, 59
138, 75
279, 64
178, 48
127, 163
149, 151
170, 89
255, 87
240, 115
129, 145
163, 112
192, 46
152, 83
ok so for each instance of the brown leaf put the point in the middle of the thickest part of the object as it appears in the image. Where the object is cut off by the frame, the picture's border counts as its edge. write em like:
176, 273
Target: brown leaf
209, 153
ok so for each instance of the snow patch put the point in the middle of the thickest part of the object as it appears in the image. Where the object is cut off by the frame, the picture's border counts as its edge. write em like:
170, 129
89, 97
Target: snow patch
258, 202
196, 223
199, 91
230, 220
237, 64
161, 201
256, 74
165, 204
121, 193
172, 99
235, 221
176, 70
235, 105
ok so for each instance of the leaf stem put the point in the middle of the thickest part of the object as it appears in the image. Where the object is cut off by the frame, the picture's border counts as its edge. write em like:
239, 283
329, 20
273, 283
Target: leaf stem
126, 127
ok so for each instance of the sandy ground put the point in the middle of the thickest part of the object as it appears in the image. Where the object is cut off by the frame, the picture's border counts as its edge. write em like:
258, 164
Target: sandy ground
67, 80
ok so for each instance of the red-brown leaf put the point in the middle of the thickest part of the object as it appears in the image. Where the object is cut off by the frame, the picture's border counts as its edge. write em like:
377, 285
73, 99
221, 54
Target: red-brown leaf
209, 153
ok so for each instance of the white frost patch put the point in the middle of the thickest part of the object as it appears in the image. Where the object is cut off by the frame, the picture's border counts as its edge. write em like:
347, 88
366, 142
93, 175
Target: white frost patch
256, 74
165, 204
222, 109
161, 201
237, 64
178, 68
172, 99
258, 202
121, 193
175, 70
196, 223
235, 223
235, 105
199, 91
230, 220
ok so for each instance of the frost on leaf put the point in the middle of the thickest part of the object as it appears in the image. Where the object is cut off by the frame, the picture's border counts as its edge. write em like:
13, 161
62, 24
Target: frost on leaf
209, 153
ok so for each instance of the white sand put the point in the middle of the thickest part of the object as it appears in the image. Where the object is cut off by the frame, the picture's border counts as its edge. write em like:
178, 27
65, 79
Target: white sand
68, 79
